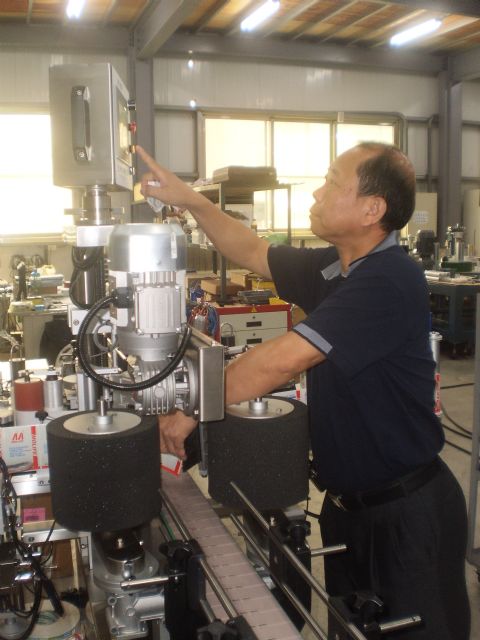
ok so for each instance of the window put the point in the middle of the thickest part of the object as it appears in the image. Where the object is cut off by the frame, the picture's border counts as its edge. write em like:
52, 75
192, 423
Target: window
301, 157
348, 135
29, 202
300, 150
235, 142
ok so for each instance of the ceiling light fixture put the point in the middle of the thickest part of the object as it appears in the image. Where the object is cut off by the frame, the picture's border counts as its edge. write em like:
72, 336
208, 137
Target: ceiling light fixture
75, 8
419, 30
261, 14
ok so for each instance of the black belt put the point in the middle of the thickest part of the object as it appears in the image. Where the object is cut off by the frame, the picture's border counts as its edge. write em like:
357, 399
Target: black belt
398, 489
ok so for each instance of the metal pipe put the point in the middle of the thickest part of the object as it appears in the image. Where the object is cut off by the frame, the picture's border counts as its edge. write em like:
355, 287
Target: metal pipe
402, 623
207, 610
306, 615
326, 551
141, 583
303, 571
219, 591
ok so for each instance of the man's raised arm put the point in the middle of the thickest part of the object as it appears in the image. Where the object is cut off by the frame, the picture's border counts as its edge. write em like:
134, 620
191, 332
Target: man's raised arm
229, 236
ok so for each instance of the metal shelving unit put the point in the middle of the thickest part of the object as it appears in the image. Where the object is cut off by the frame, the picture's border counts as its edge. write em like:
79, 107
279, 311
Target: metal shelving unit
228, 192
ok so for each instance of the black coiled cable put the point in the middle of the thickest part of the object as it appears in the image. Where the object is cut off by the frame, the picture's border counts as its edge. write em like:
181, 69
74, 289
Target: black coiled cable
119, 386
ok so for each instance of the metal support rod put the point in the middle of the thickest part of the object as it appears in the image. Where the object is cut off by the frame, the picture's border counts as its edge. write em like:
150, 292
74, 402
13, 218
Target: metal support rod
207, 610
281, 585
303, 571
401, 623
306, 615
142, 583
326, 551
219, 591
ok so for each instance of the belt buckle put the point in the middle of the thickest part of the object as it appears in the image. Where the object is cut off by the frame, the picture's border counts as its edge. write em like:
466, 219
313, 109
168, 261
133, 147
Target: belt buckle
337, 501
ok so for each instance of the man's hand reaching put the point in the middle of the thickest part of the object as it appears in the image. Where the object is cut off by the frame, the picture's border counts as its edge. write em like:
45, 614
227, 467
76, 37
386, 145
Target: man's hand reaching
174, 429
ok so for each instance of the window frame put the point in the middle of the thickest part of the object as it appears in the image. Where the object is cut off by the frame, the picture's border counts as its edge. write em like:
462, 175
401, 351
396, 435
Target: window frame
396, 120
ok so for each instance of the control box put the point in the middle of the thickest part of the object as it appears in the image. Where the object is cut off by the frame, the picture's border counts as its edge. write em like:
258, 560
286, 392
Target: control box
89, 108
252, 324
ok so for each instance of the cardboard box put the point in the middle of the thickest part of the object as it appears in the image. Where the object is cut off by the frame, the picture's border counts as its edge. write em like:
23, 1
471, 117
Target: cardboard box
241, 276
24, 448
213, 286
249, 280
38, 508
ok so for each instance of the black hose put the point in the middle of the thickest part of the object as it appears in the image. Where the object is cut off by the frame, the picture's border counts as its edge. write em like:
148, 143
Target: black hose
455, 446
119, 386
83, 261
86, 261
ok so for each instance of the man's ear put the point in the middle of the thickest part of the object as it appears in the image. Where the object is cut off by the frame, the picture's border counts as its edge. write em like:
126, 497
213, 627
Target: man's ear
375, 210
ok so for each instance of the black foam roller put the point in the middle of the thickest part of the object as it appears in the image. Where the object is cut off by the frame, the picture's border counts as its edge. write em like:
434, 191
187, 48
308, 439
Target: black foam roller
267, 458
104, 482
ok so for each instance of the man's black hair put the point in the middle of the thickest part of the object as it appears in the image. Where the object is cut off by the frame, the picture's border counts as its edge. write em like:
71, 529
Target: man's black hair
389, 174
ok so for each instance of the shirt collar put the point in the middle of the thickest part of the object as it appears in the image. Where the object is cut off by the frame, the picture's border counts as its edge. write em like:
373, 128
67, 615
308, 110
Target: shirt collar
335, 269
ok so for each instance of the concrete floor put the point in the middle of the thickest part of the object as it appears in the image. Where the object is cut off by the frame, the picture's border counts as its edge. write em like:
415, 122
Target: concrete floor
458, 404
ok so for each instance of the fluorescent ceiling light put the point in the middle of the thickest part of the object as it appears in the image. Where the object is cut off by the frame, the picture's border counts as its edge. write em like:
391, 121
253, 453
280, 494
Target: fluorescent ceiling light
422, 29
75, 8
260, 15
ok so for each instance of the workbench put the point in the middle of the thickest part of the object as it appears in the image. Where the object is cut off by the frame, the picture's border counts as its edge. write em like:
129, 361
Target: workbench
452, 306
33, 325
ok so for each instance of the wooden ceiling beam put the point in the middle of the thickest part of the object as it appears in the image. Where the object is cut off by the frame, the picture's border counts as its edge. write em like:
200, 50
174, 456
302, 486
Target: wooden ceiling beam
458, 7
234, 27
353, 23
325, 16
452, 41
280, 22
462, 22
208, 15
396, 23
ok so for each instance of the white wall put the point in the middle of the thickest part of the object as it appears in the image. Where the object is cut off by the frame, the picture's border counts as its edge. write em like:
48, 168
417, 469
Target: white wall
253, 85
24, 74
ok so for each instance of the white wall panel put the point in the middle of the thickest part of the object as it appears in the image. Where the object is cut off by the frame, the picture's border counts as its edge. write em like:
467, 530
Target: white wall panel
471, 152
229, 85
24, 74
174, 134
417, 147
471, 100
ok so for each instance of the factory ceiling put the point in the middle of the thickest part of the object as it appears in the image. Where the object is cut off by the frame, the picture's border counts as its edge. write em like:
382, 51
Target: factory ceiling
359, 28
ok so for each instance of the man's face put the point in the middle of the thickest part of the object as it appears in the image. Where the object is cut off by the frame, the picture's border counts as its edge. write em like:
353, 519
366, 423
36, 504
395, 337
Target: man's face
337, 210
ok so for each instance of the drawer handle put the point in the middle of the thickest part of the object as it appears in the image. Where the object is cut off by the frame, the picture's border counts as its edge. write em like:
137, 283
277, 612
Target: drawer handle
254, 341
257, 323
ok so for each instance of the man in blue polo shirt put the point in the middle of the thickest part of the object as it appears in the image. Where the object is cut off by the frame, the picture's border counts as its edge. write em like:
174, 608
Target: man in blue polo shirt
365, 347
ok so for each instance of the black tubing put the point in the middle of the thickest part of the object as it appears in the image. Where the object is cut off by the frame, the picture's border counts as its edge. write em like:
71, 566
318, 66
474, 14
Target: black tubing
119, 386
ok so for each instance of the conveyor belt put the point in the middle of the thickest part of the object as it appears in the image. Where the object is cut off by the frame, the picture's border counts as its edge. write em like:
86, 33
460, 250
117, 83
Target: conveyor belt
245, 588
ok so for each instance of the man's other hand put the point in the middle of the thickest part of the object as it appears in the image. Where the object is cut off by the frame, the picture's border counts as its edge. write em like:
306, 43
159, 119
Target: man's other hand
174, 429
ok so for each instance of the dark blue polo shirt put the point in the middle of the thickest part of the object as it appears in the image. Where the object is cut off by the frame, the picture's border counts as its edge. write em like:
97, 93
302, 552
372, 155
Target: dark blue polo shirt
371, 401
